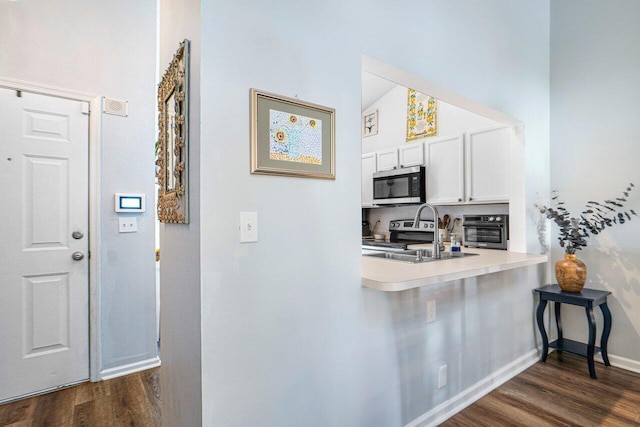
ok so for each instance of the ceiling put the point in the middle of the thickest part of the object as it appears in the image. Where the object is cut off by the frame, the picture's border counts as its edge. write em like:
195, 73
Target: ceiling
374, 88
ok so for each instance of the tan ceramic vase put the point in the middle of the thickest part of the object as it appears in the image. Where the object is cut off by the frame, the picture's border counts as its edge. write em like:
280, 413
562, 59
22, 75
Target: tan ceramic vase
571, 273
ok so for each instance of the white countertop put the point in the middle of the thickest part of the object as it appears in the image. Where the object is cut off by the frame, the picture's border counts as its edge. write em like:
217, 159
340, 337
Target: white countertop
393, 276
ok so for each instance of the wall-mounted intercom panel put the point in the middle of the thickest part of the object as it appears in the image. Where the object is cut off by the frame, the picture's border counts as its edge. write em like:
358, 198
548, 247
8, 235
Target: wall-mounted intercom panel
129, 203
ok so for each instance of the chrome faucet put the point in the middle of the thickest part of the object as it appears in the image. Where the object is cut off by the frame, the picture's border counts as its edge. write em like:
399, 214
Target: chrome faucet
437, 246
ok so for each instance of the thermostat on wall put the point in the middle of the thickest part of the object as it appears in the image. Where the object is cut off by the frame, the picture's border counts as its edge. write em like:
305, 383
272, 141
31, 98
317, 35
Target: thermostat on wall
131, 203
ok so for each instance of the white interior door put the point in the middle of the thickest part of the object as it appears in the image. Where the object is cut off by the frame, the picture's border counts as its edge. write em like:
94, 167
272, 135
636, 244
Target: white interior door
44, 291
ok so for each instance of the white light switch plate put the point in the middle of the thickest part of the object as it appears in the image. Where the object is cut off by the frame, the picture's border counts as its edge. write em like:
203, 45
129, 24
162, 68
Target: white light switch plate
127, 225
248, 227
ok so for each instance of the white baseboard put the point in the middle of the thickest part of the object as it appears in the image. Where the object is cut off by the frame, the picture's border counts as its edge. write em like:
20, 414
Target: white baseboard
107, 374
457, 403
621, 362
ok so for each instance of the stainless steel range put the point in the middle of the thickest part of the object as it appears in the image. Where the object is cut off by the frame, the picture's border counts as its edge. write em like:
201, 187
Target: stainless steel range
403, 234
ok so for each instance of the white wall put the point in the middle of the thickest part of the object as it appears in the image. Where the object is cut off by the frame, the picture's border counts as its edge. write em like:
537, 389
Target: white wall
289, 337
180, 380
104, 48
595, 149
392, 121
453, 120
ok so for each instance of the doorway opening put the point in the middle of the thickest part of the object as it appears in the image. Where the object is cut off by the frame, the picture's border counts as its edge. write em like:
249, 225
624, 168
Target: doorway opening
385, 98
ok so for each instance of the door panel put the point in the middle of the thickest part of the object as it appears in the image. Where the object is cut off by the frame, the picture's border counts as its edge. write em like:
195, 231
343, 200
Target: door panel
46, 196
44, 125
45, 311
43, 291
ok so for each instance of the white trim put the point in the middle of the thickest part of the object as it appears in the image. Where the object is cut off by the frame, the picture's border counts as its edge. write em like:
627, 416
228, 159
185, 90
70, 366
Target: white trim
621, 362
95, 133
389, 72
131, 368
41, 392
457, 403
95, 284
46, 89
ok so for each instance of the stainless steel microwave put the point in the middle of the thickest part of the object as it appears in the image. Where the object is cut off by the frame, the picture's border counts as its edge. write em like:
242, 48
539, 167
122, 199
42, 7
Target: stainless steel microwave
399, 186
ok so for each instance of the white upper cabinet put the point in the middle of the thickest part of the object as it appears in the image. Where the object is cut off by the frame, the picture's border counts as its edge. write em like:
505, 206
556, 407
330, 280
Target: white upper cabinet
368, 168
445, 170
487, 165
402, 157
411, 154
387, 159
461, 169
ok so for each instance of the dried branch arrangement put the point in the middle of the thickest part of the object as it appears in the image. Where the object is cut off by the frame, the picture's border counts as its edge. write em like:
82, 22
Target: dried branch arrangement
574, 232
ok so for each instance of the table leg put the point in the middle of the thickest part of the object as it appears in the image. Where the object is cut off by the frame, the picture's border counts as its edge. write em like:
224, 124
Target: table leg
605, 333
556, 306
592, 341
542, 304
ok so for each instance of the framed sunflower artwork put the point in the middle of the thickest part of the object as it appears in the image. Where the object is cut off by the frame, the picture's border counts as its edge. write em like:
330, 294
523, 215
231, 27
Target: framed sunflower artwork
422, 115
290, 137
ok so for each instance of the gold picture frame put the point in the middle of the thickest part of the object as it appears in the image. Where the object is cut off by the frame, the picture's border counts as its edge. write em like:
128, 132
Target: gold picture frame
422, 115
290, 137
173, 140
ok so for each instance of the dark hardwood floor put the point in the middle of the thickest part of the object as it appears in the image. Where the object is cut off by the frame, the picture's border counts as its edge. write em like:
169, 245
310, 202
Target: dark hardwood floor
559, 393
133, 400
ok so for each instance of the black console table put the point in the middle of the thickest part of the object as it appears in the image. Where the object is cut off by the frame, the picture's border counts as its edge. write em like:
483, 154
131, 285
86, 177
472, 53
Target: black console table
587, 298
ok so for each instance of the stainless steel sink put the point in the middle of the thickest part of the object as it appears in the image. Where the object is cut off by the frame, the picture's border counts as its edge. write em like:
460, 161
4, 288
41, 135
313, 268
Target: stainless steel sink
415, 256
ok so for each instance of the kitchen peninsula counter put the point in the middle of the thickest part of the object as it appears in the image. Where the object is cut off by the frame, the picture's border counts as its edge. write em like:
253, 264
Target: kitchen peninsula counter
393, 276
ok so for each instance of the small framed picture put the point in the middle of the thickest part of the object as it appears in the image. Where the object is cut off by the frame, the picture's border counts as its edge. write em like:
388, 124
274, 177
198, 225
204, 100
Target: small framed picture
290, 137
370, 123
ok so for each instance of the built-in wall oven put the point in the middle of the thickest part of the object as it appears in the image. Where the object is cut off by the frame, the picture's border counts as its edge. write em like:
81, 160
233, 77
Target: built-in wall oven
485, 231
399, 186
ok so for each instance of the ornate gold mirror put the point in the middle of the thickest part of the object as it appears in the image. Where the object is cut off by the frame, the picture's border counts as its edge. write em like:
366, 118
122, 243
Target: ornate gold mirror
173, 139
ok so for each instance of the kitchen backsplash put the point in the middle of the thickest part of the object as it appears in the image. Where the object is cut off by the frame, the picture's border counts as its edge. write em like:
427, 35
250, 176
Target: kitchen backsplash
384, 215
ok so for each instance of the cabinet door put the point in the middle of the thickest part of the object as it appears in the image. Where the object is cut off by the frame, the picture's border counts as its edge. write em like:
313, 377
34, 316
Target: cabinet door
387, 160
487, 165
445, 170
368, 168
411, 154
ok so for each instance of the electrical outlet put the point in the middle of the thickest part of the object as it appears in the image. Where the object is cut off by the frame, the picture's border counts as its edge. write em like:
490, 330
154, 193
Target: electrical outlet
431, 311
127, 225
442, 376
